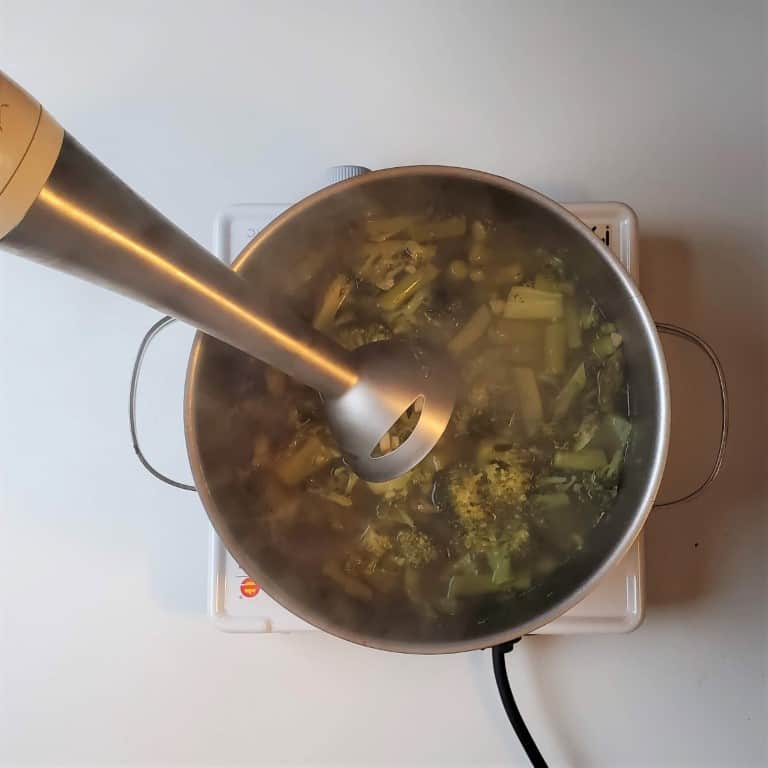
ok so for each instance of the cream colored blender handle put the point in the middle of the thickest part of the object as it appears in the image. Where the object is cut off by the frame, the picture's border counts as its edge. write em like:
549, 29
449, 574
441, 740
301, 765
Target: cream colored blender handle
30, 142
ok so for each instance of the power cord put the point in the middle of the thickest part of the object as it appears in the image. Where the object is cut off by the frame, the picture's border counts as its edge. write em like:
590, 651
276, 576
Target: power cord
498, 653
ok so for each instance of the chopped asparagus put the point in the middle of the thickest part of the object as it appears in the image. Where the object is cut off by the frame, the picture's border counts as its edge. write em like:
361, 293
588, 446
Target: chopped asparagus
404, 288
472, 331
554, 348
569, 392
586, 460
531, 304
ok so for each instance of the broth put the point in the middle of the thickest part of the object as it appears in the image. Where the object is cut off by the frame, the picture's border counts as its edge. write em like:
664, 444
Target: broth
530, 462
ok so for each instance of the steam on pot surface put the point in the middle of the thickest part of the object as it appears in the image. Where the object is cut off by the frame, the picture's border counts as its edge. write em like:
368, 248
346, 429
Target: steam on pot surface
506, 508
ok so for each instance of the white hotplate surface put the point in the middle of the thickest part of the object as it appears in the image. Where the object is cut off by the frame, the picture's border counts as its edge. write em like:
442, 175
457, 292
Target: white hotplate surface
617, 604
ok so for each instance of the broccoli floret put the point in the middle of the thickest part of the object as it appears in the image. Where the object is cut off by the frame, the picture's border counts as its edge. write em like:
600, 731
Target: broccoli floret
484, 533
392, 490
476, 497
420, 477
408, 549
508, 483
336, 485
377, 544
474, 494
414, 548
511, 539
599, 489
409, 493
353, 336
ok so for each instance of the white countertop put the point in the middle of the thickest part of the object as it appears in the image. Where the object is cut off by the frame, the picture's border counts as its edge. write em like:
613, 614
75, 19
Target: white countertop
106, 654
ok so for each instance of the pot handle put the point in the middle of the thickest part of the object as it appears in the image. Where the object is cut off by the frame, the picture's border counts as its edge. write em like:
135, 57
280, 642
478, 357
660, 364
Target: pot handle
692, 338
163, 322
664, 328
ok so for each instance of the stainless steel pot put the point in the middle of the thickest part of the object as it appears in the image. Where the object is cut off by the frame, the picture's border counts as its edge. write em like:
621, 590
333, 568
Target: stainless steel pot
317, 219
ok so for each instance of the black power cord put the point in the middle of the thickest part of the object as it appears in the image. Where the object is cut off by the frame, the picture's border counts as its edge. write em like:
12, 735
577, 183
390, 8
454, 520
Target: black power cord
498, 653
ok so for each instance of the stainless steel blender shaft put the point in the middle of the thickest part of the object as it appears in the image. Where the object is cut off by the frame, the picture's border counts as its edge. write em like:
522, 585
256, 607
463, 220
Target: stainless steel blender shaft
87, 222
60, 206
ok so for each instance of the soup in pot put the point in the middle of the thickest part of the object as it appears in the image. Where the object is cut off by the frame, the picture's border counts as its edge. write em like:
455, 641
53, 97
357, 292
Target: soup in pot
530, 462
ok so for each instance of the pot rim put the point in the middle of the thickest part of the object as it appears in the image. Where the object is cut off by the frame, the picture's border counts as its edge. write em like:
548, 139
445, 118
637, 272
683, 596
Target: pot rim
657, 463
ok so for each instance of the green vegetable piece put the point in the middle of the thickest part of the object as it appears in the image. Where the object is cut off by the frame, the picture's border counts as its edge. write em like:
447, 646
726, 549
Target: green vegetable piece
604, 346
620, 427
465, 564
572, 325
586, 460
612, 470
479, 231
333, 298
394, 513
478, 254
458, 270
446, 606
494, 449
384, 263
467, 584
547, 481
354, 335
437, 229
407, 286
497, 306
544, 282
589, 317
384, 228
412, 589
472, 331
499, 562
505, 331
299, 462
414, 303
525, 303
509, 274
530, 399
550, 501
500, 358
477, 275
333, 496
610, 382
486, 450
571, 389
586, 431
383, 580
393, 487
519, 581
349, 584
554, 348
374, 542
415, 548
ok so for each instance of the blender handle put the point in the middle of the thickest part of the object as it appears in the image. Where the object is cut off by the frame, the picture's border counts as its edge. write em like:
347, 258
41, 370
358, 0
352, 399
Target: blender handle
163, 322
705, 347
63, 208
